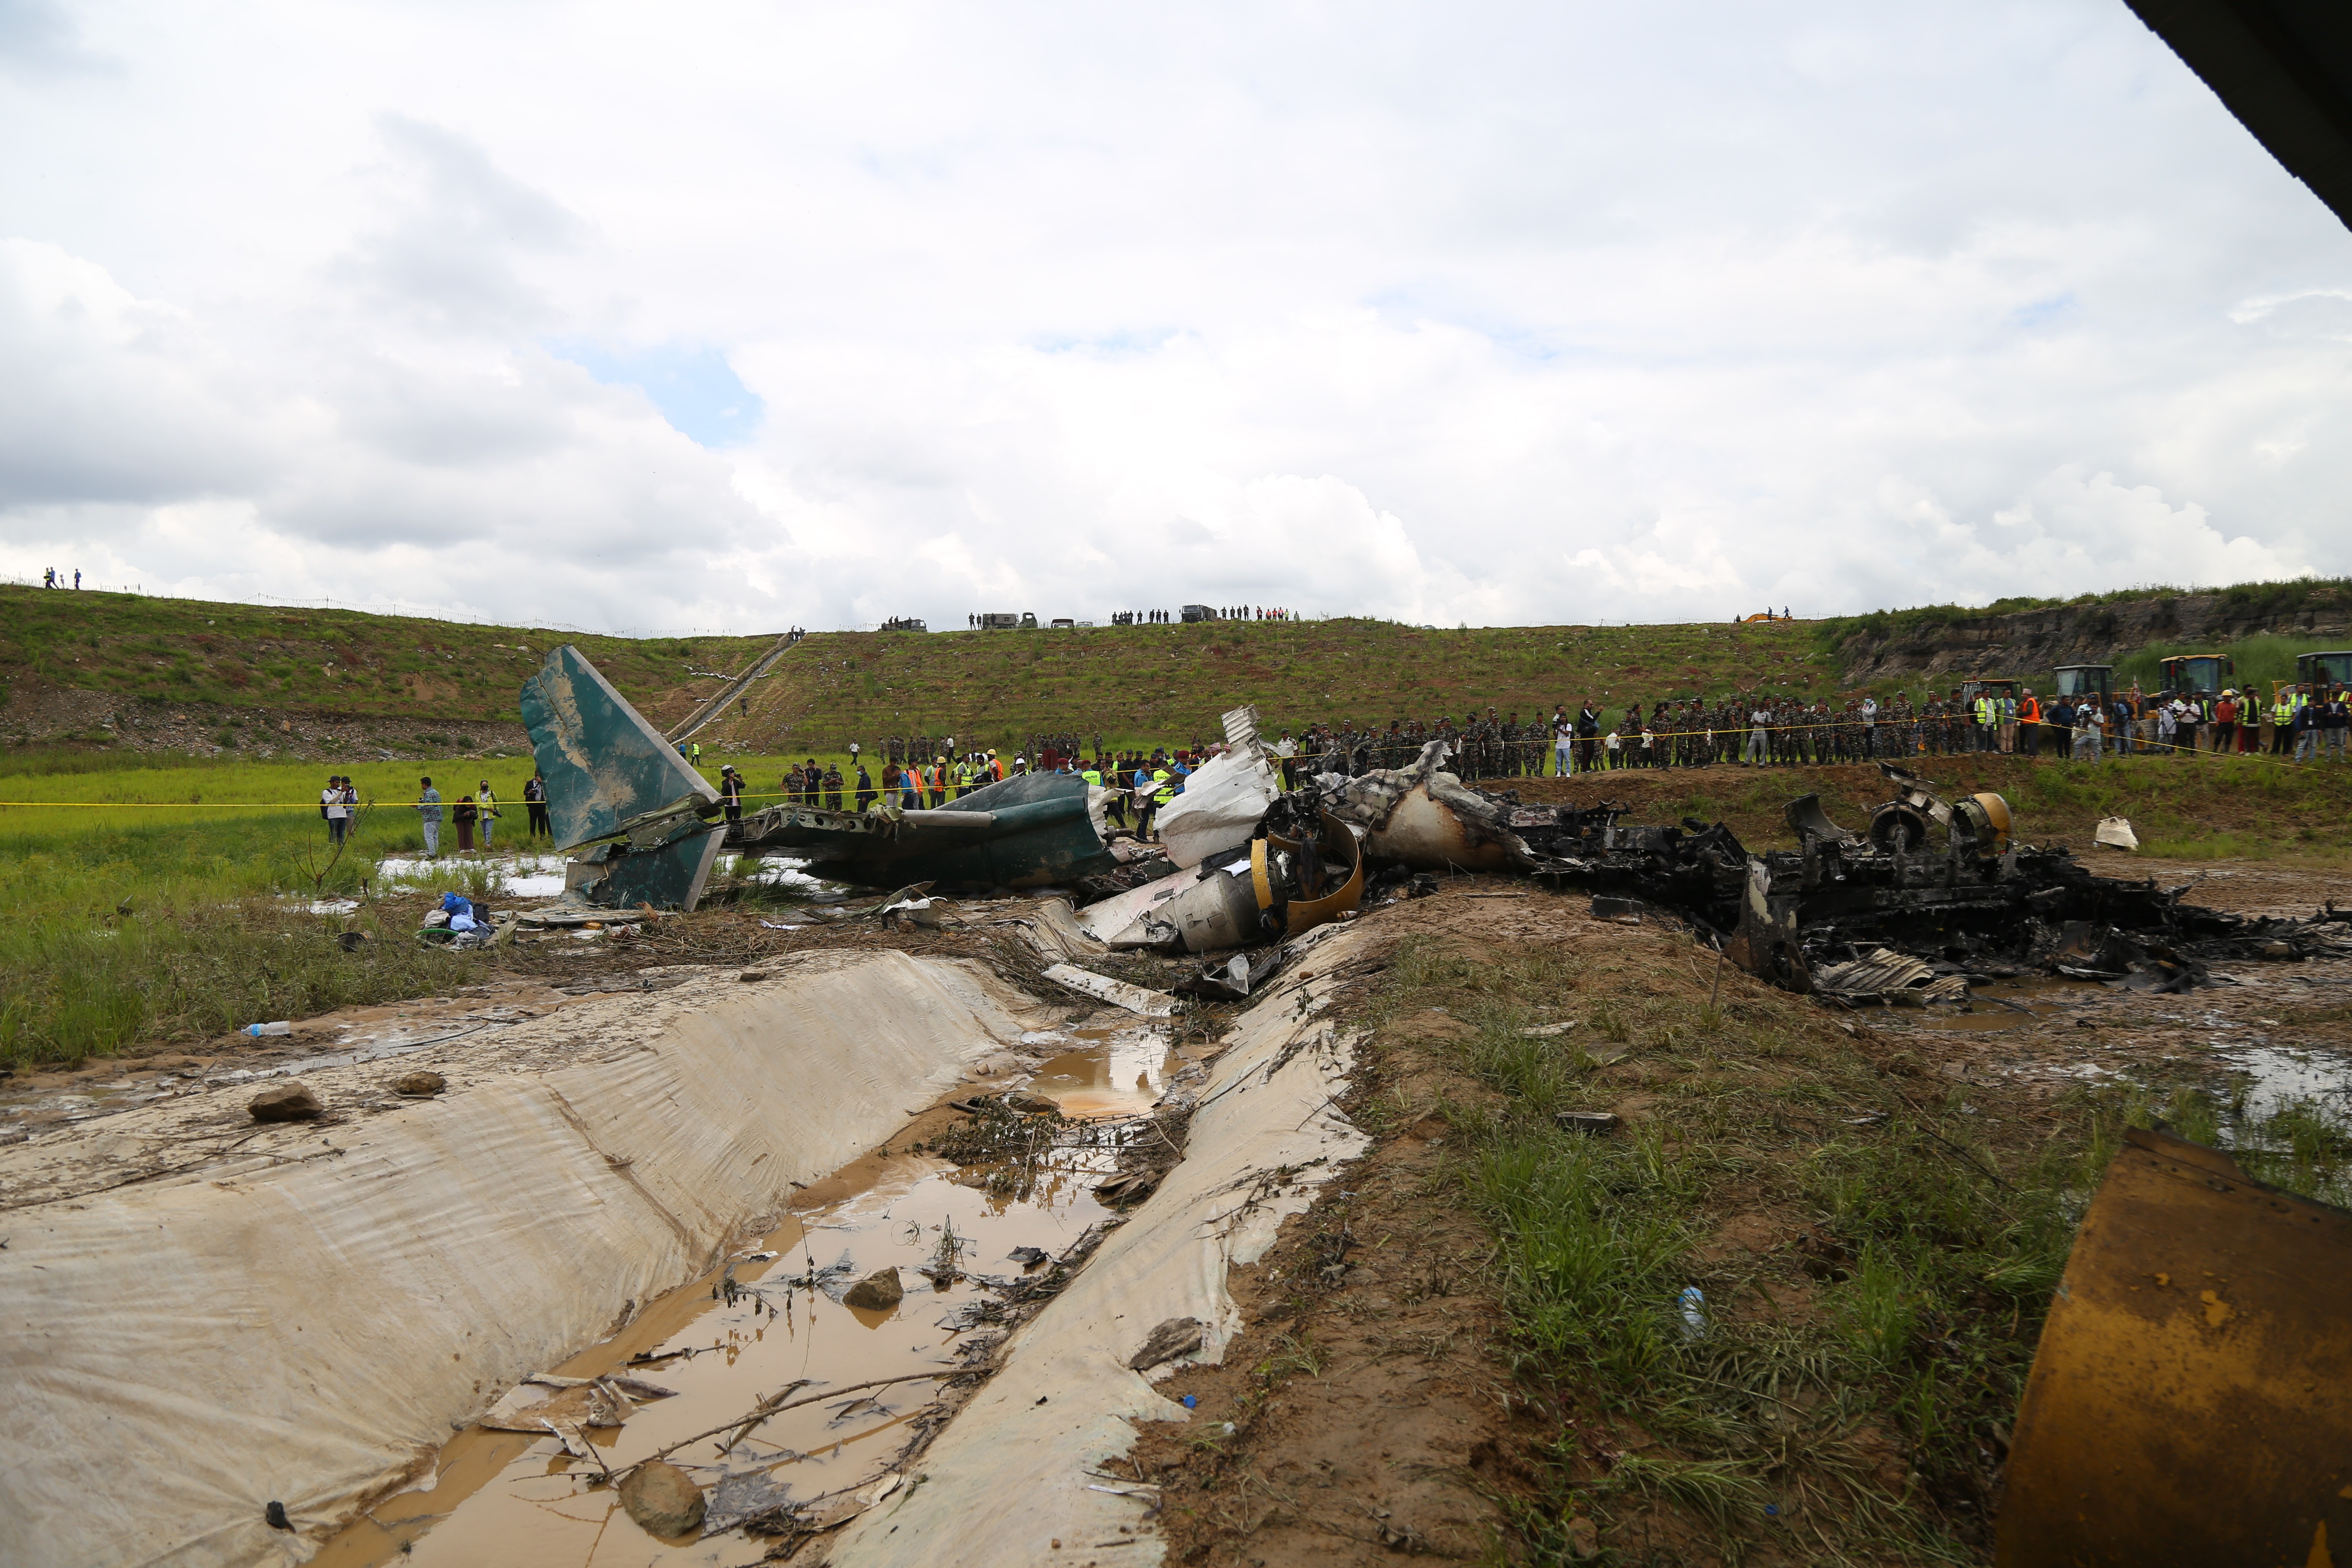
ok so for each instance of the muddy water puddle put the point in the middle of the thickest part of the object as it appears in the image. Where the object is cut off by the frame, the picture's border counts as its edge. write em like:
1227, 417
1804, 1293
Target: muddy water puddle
1105, 1072
2008, 1004
773, 1317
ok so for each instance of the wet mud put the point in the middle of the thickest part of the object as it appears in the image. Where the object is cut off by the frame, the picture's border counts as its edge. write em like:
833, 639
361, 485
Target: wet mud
773, 1317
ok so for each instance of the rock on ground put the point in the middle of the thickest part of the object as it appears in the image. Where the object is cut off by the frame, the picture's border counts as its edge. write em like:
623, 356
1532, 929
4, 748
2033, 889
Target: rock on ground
879, 1291
289, 1101
662, 1499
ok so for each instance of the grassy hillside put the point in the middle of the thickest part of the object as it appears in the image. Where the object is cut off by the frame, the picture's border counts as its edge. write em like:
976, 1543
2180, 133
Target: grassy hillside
387, 681
181, 651
994, 688
1163, 683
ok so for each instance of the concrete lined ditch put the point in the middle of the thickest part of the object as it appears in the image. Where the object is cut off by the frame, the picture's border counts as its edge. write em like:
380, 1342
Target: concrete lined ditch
319, 1319
725, 1341
307, 1318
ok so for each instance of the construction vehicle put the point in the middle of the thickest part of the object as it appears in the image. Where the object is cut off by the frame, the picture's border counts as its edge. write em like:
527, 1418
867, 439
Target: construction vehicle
2199, 674
1002, 621
1191, 613
2078, 681
2324, 671
1995, 688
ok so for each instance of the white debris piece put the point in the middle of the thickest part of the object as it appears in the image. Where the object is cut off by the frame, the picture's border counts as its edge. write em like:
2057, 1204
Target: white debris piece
1118, 993
2115, 833
1226, 798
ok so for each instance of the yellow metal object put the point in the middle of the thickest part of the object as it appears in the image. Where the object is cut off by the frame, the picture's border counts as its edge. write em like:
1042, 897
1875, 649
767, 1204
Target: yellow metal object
1336, 842
2191, 1405
1260, 878
1996, 810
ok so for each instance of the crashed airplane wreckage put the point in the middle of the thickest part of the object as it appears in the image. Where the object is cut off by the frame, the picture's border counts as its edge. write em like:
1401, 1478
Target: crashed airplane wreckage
1881, 915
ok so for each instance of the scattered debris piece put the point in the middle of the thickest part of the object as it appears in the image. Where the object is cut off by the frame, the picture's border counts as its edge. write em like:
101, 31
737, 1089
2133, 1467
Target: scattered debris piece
637, 1388
1881, 975
749, 975
1118, 993
663, 1500
879, 1292
1226, 798
275, 1516
592, 1402
1595, 1123
1421, 816
419, 1084
1027, 1257
753, 1501
2115, 833
1546, 1031
289, 1101
1032, 1104
1232, 979
1176, 1337
1128, 1188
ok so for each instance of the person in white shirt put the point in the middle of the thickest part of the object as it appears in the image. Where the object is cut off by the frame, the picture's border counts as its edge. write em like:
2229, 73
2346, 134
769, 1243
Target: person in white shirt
2089, 719
332, 807
1760, 718
1563, 743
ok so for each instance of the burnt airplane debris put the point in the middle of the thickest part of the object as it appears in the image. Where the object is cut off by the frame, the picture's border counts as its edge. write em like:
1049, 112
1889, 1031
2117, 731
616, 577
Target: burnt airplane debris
1837, 914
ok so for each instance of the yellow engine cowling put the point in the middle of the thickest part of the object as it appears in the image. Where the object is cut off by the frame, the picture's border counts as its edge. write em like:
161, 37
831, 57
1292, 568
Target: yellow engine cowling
2191, 1405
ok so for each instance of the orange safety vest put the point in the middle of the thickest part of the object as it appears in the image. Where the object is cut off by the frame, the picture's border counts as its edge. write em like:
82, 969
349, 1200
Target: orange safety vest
2029, 712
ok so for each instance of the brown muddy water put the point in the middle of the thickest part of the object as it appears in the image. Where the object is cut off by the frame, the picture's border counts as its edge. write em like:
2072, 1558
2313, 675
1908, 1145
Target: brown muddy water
772, 1316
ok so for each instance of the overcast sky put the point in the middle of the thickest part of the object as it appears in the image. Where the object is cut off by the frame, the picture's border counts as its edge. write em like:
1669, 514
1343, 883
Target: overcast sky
739, 316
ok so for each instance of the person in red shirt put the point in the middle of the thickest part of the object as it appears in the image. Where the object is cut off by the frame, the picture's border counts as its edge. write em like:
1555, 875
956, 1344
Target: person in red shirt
2225, 722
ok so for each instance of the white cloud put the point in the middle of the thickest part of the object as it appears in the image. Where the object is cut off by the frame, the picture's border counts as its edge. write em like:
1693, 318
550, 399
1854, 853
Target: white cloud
1496, 313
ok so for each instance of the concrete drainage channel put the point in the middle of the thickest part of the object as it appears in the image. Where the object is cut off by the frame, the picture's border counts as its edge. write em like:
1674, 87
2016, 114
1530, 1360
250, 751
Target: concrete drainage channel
311, 1331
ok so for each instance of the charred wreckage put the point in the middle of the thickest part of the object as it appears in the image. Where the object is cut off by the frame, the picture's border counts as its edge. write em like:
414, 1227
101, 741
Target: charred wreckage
1932, 895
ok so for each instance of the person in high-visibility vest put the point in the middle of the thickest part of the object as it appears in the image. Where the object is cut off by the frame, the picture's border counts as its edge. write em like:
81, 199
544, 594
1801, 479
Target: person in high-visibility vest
1163, 790
2282, 721
1988, 723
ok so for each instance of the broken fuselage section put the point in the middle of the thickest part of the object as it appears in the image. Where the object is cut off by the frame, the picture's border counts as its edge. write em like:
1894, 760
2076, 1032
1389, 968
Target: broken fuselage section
1030, 830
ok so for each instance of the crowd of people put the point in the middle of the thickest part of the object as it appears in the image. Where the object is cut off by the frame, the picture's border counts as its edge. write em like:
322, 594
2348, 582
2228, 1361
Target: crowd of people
473, 815
1222, 613
2300, 722
912, 772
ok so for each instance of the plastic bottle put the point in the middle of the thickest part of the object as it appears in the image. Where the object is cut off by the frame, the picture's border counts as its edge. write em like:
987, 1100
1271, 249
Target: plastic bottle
257, 1030
1694, 1304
